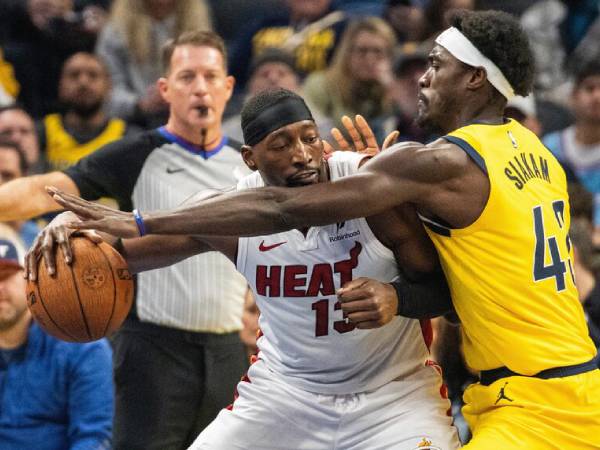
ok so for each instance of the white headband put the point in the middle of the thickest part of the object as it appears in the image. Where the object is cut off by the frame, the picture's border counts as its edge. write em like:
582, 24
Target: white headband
462, 49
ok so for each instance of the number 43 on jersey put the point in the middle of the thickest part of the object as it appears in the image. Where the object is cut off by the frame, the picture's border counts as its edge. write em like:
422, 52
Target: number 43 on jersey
557, 267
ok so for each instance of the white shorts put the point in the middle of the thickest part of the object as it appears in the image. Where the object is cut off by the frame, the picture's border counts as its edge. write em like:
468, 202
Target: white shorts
270, 414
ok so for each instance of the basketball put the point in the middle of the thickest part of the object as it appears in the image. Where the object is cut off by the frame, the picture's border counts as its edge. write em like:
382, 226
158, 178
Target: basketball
86, 300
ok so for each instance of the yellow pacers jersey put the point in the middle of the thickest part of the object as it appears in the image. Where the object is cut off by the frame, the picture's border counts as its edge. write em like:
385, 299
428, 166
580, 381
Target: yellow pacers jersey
62, 150
510, 272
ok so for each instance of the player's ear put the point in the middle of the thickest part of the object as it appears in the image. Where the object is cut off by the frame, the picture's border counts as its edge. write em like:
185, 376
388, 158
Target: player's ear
477, 79
248, 157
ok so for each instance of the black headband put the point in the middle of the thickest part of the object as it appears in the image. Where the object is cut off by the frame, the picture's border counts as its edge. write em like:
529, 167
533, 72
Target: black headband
285, 111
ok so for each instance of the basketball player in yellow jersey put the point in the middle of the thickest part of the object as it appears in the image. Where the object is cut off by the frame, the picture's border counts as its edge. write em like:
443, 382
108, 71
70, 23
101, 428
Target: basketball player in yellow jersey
495, 204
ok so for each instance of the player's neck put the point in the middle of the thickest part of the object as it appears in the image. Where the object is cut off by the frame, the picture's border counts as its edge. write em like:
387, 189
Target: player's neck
489, 112
208, 140
587, 133
75, 121
16, 335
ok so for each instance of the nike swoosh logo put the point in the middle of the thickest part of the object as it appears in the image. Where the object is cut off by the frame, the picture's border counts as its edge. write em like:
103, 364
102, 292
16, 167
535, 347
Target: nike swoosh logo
175, 169
265, 248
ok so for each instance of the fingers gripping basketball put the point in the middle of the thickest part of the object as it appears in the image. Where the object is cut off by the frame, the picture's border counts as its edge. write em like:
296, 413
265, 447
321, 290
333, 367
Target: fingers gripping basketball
86, 300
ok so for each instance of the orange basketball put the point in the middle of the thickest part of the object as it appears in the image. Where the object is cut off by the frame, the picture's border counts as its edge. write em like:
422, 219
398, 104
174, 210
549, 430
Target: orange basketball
86, 300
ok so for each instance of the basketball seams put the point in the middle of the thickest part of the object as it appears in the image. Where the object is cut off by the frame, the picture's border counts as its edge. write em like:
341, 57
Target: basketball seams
85, 322
90, 316
41, 301
109, 262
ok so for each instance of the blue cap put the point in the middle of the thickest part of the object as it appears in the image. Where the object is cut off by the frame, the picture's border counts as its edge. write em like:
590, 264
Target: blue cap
10, 254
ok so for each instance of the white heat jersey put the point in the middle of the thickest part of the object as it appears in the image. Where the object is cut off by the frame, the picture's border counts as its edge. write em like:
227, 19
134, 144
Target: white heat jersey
294, 279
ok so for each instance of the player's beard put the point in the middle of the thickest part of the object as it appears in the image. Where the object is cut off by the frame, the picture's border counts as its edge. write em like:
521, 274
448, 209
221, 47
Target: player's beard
432, 119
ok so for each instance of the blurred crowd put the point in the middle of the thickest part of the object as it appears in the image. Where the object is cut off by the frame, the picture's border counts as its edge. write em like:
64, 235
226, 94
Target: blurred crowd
76, 75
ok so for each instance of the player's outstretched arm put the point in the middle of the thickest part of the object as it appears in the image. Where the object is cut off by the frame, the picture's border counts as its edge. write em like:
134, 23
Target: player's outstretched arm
141, 254
25, 197
407, 172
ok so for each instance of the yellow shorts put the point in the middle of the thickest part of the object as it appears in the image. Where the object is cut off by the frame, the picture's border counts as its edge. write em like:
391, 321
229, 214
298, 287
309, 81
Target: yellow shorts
535, 414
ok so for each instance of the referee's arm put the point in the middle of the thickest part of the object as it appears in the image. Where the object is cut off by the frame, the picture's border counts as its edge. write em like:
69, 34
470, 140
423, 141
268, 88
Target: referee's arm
26, 197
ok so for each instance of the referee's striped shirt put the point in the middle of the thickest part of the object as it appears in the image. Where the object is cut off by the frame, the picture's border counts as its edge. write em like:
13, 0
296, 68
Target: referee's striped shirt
157, 170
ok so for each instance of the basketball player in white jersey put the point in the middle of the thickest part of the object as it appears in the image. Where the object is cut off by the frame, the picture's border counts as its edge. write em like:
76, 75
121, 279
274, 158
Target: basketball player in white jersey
319, 380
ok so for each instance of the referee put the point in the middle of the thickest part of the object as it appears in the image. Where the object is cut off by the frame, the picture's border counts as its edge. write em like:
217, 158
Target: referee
178, 357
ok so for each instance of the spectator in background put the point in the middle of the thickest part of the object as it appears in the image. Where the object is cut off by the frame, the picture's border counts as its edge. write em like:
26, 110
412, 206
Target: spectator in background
9, 86
310, 30
83, 126
578, 146
17, 125
407, 18
359, 78
13, 165
542, 22
39, 36
558, 32
524, 110
588, 283
407, 69
271, 69
437, 13
54, 394
130, 44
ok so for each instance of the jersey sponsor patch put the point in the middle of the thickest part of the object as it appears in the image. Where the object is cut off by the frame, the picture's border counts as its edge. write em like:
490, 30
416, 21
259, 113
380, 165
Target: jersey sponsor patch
341, 237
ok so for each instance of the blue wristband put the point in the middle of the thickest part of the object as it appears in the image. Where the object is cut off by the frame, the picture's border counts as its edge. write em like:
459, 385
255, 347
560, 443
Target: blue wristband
139, 222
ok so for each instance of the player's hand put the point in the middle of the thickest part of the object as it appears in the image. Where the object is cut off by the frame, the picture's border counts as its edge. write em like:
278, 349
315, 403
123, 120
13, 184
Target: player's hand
94, 216
363, 138
368, 303
55, 235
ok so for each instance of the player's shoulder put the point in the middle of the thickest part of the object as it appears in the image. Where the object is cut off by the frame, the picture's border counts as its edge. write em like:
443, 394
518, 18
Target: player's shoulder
435, 161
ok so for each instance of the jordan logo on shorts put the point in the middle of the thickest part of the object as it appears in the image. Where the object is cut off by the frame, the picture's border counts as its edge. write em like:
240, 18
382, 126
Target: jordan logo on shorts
502, 395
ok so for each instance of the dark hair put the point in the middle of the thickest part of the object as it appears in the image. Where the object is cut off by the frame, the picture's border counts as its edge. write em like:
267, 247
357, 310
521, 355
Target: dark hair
99, 59
272, 55
9, 143
589, 69
196, 38
500, 37
255, 105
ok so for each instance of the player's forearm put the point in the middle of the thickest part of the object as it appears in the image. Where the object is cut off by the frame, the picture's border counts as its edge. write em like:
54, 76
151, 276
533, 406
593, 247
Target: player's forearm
245, 213
154, 252
269, 210
26, 197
